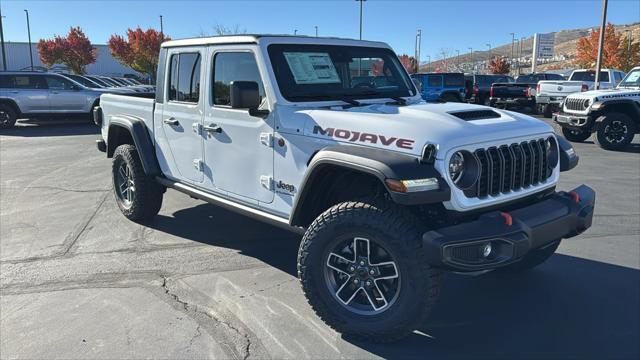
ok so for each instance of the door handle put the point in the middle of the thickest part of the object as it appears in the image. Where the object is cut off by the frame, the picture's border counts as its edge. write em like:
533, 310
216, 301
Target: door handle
213, 128
171, 121
55, 92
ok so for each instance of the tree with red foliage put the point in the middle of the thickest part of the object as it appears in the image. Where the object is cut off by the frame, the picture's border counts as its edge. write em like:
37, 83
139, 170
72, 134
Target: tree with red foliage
587, 49
139, 51
409, 62
499, 65
74, 51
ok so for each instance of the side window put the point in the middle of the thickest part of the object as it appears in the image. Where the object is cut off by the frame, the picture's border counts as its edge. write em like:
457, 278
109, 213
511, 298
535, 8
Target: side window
29, 82
435, 81
417, 80
184, 78
57, 83
228, 67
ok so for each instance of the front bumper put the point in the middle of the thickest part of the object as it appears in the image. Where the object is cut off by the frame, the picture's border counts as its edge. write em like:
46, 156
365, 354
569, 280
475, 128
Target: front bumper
460, 247
576, 122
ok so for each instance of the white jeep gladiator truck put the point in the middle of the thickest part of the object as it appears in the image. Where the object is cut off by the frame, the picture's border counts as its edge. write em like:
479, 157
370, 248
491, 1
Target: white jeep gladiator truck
613, 114
330, 138
551, 93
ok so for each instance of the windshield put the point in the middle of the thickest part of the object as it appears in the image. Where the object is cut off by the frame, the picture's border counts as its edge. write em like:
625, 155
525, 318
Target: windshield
83, 81
631, 80
487, 80
329, 72
589, 76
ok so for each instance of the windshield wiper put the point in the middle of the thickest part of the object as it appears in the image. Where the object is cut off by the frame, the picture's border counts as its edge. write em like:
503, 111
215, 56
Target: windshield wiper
345, 99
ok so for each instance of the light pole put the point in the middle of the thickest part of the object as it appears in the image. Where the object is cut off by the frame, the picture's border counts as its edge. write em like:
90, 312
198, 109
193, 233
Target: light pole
316, 30
361, 1
458, 59
418, 43
161, 27
29, 35
513, 39
295, 32
489, 46
601, 43
428, 62
4, 56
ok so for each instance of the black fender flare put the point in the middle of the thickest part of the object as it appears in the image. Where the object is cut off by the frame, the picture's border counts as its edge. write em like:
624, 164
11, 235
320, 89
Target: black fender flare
141, 139
608, 104
381, 164
568, 157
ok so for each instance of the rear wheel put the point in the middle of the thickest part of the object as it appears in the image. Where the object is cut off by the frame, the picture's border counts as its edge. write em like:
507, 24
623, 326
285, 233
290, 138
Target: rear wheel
7, 116
363, 271
138, 196
531, 260
547, 111
575, 135
616, 131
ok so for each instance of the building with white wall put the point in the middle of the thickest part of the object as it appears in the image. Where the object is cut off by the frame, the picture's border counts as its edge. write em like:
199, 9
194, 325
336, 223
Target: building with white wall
18, 59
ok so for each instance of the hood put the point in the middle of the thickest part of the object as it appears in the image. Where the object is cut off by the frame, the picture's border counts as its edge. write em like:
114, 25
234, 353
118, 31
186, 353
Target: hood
409, 128
606, 94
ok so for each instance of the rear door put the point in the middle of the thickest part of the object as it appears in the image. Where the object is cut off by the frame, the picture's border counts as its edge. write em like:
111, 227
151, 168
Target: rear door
30, 93
181, 119
64, 96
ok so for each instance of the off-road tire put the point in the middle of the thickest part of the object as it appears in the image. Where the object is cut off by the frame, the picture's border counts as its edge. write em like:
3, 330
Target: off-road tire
531, 260
547, 111
147, 200
575, 135
611, 119
400, 233
450, 98
8, 118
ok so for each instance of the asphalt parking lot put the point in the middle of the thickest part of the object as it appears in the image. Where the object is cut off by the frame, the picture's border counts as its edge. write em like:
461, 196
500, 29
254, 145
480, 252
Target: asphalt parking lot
78, 280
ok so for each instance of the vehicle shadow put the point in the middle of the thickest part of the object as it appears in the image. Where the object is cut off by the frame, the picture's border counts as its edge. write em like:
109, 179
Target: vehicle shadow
566, 308
45, 129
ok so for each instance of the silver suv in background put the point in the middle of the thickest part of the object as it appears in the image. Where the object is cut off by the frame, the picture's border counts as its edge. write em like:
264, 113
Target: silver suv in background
44, 96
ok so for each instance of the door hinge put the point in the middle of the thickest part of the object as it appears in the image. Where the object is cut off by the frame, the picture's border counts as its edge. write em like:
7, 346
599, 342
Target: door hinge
266, 139
266, 182
197, 128
197, 163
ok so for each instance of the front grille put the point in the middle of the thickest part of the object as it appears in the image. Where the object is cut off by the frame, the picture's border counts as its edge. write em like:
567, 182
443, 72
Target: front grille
510, 167
577, 104
476, 115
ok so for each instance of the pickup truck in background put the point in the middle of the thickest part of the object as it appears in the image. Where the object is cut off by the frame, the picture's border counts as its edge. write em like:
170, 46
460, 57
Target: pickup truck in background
551, 93
521, 94
477, 87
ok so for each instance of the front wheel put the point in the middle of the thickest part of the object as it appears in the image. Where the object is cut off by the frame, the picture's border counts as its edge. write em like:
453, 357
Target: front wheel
616, 131
138, 196
7, 116
363, 271
575, 135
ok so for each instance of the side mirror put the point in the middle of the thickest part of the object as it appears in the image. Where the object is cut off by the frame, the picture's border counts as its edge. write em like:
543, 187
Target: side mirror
245, 95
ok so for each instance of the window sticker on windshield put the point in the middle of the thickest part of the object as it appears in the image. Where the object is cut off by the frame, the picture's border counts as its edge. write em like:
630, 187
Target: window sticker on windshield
312, 68
633, 77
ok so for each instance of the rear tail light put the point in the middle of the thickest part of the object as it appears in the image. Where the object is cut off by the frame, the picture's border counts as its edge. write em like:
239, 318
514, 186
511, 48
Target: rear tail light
476, 90
527, 92
491, 91
584, 88
538, 88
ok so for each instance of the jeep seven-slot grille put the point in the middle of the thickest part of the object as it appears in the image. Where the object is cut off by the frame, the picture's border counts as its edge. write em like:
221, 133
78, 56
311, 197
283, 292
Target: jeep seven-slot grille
511, 167
577, 104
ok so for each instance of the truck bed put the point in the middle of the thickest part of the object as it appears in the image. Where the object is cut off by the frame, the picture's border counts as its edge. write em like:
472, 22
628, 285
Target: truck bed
114, 106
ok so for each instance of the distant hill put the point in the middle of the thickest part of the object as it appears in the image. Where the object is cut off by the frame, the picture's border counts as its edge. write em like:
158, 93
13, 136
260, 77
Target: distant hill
565, 45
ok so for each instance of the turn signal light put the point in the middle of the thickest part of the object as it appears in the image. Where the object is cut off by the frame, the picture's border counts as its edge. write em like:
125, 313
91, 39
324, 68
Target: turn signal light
574, 195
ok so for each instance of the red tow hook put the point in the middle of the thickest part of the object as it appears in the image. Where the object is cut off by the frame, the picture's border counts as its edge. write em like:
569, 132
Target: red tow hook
574, 195
508, 220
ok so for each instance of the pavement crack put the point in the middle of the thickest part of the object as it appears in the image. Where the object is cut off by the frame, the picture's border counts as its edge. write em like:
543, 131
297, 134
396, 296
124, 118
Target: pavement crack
73, 237
62, 189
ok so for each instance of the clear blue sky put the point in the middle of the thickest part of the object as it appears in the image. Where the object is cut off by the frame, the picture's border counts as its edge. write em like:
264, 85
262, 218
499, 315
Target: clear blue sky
453, 24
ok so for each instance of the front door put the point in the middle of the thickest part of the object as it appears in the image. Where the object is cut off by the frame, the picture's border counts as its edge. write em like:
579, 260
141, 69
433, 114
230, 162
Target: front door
238, 147
64, 96
182, 115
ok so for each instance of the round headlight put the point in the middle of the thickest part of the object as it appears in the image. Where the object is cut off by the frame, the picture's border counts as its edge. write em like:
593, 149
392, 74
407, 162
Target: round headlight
456, 167
552, 152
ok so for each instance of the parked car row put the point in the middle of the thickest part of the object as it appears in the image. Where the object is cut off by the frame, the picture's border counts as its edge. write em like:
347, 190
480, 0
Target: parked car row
44, 95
